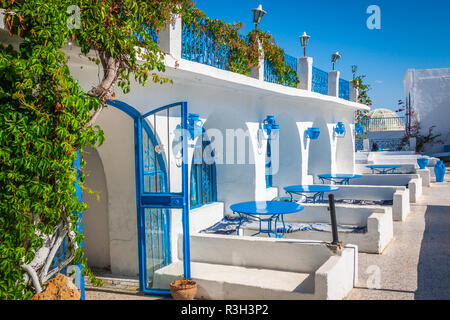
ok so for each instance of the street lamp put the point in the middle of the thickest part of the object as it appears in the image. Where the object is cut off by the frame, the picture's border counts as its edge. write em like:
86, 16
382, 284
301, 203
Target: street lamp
334, 58
258, 13
354, 69
304, 40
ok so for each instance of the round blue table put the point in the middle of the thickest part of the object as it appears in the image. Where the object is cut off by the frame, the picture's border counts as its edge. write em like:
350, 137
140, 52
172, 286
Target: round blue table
341, 179
383, 169
266, 211
316, 191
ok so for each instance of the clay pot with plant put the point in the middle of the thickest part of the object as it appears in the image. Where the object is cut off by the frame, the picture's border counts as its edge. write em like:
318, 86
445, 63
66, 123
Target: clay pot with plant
183, 289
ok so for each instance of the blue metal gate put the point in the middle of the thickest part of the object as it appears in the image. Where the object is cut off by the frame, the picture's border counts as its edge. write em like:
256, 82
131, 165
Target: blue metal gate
161, 192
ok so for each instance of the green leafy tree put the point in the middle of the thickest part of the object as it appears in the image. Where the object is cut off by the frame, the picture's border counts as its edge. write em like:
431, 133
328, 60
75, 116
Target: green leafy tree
46, 119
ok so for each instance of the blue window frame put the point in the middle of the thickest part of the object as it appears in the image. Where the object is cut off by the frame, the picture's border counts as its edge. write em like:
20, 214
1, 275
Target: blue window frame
269, 178
203, 174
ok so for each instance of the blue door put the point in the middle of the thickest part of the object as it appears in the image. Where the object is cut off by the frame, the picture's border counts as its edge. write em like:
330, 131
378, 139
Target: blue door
162, 196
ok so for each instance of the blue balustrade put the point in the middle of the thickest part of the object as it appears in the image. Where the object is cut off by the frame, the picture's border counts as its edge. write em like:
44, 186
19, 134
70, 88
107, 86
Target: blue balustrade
319, 81
271, 75
344, 89
199, 46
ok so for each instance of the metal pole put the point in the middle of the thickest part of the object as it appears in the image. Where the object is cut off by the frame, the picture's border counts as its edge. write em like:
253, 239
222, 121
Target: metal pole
334, 228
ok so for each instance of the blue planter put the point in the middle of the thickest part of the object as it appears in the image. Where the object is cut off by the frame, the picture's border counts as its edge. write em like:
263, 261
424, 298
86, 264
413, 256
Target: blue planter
439, 171
422, 162
313, 133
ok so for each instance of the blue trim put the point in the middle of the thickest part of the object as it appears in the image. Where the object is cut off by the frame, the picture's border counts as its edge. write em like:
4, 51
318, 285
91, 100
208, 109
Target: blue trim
186, 235
77, 165
129, 110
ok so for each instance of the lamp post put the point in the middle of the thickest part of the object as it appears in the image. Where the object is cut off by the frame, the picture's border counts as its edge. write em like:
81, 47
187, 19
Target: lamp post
258, 13
304, 40
334, 58
354, 69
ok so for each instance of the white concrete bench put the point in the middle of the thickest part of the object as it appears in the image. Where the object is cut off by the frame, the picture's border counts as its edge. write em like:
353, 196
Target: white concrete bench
251, 268
398, 195
361, 168
412, 181
378, 222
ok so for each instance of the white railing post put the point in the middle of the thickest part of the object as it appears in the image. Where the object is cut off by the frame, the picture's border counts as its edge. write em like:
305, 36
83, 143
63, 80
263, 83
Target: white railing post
354, 92
304, 69
333, 83
169, 39
258, 72
2, 19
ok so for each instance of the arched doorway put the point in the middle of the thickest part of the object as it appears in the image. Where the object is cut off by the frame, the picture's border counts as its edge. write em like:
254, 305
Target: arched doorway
154, 149
95, 219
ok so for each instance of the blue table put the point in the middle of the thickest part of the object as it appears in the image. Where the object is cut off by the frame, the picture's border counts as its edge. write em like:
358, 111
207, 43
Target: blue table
266, 211
316, 191
340, 179
383, 169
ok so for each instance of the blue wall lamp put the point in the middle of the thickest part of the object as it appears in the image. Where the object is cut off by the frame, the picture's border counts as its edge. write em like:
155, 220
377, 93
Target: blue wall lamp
313, 133
270, 128
340, 130
194, 125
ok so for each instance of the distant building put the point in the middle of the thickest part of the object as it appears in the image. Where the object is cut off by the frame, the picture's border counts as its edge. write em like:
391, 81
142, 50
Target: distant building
427, 92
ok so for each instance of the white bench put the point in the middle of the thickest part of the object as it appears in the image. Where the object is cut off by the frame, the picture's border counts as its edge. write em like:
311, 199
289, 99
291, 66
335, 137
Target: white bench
378, 222
412, 181
251, 268
398, 195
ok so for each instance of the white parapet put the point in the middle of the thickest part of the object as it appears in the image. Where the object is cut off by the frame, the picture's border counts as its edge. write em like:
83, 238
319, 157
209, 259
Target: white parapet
239, 268
304, 68
258, 71
377, 221
169, 39
398, 195
333, 83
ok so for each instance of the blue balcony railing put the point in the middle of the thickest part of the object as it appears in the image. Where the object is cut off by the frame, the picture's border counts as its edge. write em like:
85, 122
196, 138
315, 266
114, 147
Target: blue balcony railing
271, 75
344, 89
199, 46
319, 81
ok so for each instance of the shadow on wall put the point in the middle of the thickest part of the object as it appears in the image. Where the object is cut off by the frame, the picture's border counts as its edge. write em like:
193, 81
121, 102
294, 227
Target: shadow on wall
320, 152
433, 282
95, 219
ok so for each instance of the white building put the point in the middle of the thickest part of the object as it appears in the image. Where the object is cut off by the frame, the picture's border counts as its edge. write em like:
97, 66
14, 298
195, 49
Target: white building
126, 231
427, 92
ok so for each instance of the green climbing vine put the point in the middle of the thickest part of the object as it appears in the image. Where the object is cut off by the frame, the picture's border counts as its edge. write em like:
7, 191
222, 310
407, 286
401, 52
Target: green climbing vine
243, 54
46, 119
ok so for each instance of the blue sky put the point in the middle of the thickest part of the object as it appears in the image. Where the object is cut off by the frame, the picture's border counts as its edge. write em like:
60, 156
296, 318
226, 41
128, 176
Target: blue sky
414, 34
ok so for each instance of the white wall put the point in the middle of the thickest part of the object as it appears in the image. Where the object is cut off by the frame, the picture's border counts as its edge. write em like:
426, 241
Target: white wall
430, 98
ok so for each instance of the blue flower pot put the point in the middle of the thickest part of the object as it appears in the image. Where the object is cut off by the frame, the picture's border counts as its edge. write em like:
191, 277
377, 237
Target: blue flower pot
313, 133
422, 162
439, 171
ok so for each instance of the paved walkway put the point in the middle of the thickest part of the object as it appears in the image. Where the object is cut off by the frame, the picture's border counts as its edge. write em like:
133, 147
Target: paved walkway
416, 265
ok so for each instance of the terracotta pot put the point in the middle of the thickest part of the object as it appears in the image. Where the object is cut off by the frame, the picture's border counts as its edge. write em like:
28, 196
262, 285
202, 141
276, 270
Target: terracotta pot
183, 289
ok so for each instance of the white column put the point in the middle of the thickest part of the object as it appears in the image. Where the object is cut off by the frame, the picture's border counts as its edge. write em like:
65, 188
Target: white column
304, 69
258, 72
354, 92
2, 19
333, 83
169, 39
